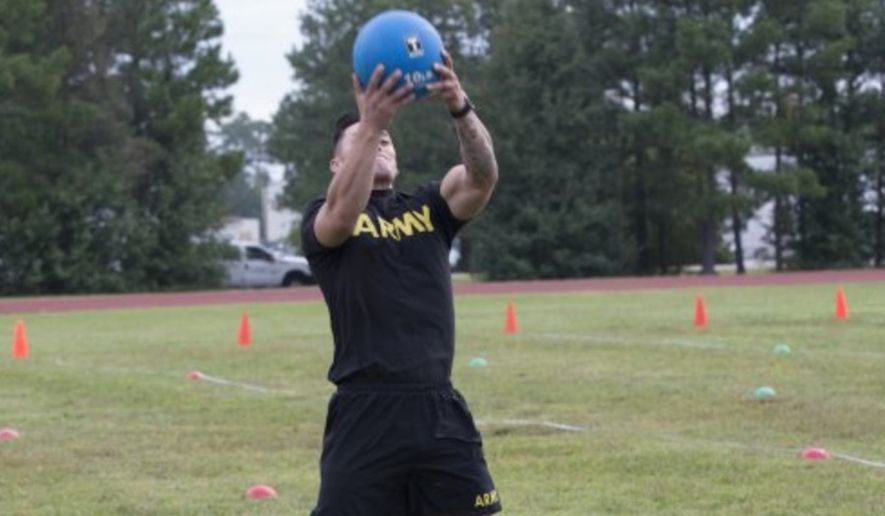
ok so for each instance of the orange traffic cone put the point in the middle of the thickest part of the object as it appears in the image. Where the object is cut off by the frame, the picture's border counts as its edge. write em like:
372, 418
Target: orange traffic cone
700, 313
510, 325
20, 341
245, 330
841, 305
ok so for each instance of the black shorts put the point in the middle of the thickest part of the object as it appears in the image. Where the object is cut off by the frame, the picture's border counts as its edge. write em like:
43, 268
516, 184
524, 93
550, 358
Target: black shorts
403, 451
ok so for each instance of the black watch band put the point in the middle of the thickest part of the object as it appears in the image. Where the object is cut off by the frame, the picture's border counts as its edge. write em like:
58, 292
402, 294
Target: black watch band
464, 111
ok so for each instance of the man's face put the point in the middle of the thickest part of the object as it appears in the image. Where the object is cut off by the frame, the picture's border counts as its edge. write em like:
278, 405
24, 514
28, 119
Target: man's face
384, 168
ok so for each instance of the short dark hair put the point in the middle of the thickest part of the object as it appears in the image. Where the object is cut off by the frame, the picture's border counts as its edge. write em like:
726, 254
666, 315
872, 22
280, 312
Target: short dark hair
344, 121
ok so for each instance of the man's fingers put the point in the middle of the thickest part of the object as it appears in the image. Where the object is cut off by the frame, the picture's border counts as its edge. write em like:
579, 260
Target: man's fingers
407, 99
403, 91
447, 60
443, 72
376, 77
444, 87
390, 83
440, 84
432, 93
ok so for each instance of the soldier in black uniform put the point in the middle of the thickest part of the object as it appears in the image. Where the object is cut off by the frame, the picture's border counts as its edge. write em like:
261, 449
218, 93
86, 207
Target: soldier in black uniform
399, 439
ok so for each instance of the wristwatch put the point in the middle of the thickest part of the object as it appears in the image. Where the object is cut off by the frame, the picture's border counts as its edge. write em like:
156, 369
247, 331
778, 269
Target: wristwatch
464, 111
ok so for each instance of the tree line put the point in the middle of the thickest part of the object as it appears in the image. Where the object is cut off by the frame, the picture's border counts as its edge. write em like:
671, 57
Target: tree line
107, 179
622, 129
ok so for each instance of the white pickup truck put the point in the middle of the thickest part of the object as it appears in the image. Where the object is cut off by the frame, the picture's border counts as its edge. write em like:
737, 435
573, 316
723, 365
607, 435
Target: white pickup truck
252, 265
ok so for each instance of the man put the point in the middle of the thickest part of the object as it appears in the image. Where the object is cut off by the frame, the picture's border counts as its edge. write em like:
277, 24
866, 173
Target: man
399, 440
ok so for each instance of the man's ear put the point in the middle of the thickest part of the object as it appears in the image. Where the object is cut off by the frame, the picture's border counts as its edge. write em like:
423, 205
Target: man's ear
334, 164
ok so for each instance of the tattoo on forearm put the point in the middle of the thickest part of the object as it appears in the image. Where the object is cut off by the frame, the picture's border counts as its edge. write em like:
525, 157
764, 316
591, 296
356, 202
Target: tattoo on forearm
477, 150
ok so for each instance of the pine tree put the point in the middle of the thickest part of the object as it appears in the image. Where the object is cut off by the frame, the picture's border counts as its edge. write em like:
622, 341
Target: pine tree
171, 78
555, 213
867, 105
63, 217
821, 191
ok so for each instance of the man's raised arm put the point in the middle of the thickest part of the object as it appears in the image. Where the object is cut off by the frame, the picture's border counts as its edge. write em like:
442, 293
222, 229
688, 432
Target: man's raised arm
353, 176
466, 187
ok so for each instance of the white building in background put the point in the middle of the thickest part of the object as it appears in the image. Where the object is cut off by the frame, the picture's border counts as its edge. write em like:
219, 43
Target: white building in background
279, 220
241, 229
757, 252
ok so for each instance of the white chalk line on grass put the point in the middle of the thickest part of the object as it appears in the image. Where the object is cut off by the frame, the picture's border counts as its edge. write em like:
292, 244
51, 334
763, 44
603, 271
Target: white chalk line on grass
529, 422
487, 422
617, 339
214, 380
706, 344
203, 377
858, 460
766, 449
680, 439
196, 376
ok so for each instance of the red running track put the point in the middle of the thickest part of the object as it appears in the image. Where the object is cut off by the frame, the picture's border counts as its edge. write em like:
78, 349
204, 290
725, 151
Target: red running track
309, 294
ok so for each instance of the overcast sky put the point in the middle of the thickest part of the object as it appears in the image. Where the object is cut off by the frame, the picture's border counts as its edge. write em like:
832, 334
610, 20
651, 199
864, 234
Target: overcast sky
259, 34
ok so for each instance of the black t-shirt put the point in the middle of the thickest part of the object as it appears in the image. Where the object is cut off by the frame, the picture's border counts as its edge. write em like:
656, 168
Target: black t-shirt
389, 289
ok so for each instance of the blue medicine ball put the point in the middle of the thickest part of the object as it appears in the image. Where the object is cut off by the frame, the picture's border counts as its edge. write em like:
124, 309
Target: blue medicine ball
398, 39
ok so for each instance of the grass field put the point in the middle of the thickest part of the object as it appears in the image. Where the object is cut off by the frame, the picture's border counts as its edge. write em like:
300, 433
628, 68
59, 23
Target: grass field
110, 425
